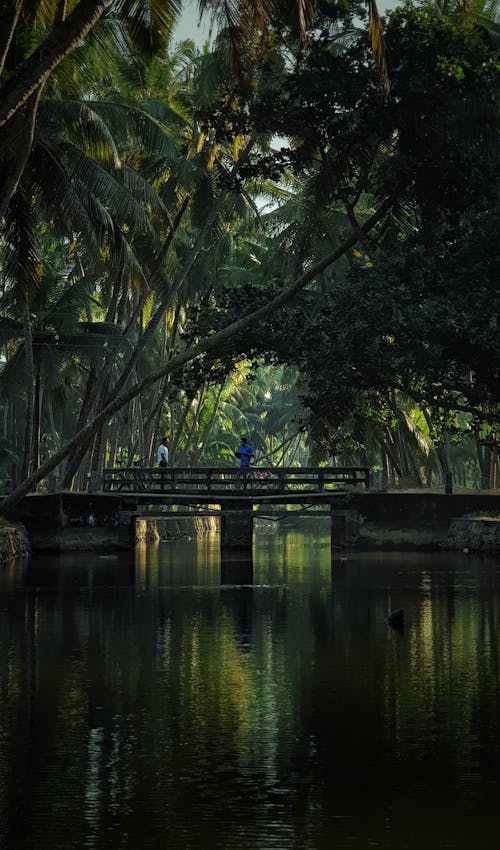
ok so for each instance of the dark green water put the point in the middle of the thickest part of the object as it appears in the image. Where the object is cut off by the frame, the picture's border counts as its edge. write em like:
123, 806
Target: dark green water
151, 706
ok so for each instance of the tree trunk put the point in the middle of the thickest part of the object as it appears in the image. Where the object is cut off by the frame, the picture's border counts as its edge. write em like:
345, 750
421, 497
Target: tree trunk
194, 424
77, 456
15, 464
391, 454
36, 420
114, 435
61, 41
12, 168
52, 422
10, 21
30, 393
441, 451
178, 431
208, 432
485, 452
95, 462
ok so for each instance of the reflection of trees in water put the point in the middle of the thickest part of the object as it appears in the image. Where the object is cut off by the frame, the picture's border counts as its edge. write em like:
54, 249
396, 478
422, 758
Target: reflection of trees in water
152, 699
425, 703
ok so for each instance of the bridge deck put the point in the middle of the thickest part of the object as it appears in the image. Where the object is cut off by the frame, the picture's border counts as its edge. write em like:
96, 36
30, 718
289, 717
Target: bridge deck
217, 482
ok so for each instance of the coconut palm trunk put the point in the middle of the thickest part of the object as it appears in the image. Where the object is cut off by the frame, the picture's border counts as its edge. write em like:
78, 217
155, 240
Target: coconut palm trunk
27, 463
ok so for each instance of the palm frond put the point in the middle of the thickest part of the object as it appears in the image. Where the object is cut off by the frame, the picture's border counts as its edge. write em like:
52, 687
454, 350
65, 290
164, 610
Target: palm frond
149, 22
82, 123
21, 263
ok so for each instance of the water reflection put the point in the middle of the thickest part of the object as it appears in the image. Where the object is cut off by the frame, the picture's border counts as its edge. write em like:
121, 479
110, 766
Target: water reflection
185, 702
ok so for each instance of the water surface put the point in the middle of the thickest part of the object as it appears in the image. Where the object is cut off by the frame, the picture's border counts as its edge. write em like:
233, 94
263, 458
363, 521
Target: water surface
176, 702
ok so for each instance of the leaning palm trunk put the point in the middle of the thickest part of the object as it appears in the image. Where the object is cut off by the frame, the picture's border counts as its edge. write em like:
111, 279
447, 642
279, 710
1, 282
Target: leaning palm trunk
13, 167
37, 420
30, 393
63, 39
178, 431
208, 431
10, 22
194, 425
213, 343
86, 409
441, 451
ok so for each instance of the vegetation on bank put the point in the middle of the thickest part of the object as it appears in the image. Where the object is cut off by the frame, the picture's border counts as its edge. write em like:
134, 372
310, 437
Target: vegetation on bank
249, 238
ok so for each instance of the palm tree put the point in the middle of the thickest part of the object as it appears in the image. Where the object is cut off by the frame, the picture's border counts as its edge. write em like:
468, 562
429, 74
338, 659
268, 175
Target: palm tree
59, 35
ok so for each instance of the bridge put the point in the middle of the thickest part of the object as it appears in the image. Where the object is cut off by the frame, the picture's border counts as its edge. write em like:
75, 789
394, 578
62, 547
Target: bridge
238, 490
61, 521
226, 482
106, 515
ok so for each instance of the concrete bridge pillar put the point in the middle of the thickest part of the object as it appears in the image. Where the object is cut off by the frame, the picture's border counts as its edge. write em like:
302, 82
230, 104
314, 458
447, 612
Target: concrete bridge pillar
344, 527
125, 531
236, 526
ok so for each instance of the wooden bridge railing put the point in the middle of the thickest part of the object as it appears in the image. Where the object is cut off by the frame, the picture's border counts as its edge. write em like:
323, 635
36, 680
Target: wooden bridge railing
217, 481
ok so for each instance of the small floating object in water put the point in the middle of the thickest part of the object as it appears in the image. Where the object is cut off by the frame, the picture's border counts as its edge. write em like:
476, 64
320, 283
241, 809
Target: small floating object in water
396, 618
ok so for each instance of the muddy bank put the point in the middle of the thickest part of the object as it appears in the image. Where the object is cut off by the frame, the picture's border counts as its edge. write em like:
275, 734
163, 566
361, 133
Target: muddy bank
14, 542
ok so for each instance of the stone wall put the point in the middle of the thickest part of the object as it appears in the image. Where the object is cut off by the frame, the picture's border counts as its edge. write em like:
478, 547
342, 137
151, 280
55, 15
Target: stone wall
14, 542
476, 534
79, 539
414, 520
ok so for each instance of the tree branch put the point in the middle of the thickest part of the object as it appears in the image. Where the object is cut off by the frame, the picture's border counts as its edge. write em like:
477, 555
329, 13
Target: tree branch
7, 30
61, 41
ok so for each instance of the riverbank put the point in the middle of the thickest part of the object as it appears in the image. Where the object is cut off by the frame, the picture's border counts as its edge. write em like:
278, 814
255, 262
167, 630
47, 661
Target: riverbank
362, 520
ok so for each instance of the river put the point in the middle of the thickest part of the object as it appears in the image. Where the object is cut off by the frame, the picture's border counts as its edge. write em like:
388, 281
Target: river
174, 703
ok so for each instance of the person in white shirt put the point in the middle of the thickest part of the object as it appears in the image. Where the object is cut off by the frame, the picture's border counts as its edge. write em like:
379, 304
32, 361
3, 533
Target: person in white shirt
163, 453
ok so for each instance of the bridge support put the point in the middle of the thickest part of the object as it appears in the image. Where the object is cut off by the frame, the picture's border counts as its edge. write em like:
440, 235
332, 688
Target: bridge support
126, 530
236, 526
344, 527
236, 567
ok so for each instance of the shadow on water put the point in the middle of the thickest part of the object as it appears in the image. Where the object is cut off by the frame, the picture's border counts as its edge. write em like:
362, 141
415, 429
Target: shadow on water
236, 568
185, 700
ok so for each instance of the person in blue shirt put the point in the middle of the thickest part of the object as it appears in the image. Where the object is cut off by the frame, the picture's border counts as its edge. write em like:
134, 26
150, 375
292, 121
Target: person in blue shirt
244, 452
